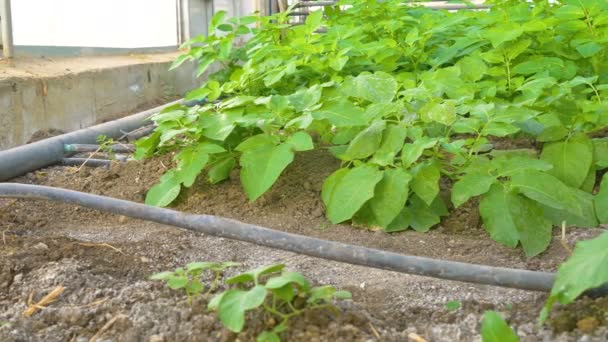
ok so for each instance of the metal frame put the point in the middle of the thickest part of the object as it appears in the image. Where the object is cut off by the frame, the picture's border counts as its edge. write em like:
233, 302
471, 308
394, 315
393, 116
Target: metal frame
186, 10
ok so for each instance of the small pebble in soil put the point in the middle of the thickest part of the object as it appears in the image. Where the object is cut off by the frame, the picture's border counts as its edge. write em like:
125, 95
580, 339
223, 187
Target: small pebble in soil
40, 246
587, 324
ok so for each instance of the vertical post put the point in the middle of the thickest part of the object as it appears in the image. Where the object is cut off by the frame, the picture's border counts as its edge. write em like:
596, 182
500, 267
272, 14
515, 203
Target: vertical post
7, 28
274, 7
185, 20
209, 12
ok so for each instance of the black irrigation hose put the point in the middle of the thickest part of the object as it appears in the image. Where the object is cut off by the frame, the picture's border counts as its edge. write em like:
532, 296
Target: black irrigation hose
22, 159
232, 229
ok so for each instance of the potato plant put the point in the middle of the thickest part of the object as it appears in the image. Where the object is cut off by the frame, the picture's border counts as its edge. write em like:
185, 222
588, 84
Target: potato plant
280, 294
407, 98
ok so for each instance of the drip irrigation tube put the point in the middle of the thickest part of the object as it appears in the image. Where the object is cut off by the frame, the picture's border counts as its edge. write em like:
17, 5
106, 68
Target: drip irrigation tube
118, 148
232, 229
22, 159
87, 162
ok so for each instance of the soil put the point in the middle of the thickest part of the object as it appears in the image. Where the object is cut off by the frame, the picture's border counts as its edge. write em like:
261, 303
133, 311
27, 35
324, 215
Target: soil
104, 262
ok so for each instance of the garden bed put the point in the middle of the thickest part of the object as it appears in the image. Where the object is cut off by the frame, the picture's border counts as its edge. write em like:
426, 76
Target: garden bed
104, 262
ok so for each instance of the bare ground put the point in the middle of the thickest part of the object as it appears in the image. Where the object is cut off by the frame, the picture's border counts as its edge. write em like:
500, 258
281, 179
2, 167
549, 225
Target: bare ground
45, 245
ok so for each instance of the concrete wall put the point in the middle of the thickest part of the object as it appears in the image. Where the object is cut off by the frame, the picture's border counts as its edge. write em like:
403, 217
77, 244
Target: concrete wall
72, 100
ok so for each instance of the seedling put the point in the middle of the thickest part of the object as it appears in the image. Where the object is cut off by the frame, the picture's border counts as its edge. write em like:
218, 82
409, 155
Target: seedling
281, 294
105, 146
453, 305
189, 278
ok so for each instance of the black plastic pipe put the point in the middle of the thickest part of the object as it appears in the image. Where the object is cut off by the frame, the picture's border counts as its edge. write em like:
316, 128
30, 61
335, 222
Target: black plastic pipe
22, 159
232, 229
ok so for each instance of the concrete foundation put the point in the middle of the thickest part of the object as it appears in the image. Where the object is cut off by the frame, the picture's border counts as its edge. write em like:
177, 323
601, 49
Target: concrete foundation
50, 95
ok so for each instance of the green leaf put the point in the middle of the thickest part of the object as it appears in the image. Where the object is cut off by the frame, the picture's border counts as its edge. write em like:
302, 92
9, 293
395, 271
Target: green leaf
533, 229
585, 269
351, 191
204, 63
401, 222
345, 135
443, 113
494, 210
288, 277
473, 68
321, 294
220, 170
392, 142
571, 159
589, 182
411, 152
254, 275
216, 20
145, 147
422, 216
162, 276
367, 141
340, 113
268, 336
426, 182
225, 27
499, 129
180, 60
191, 163
258, 141
330, 184
379, 87
510, 218
390, 196
194, 288
305, 99
589, 49
214, 303
218, 126
470, 185
552, 133
600, 153
273, 77
234, 304
601, 201
262, 167
585, 220
509, 164
548, 190
514, 49
569, 12
504, 32
495, 329
536, 65
338, 62
300, 141
165, 192
177, 282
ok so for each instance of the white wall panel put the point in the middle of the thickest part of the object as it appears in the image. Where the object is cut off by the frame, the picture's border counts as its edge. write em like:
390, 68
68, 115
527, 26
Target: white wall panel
95, 23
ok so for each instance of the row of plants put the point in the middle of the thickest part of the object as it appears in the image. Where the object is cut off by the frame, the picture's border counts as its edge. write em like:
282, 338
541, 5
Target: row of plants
413, 102
405, 97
